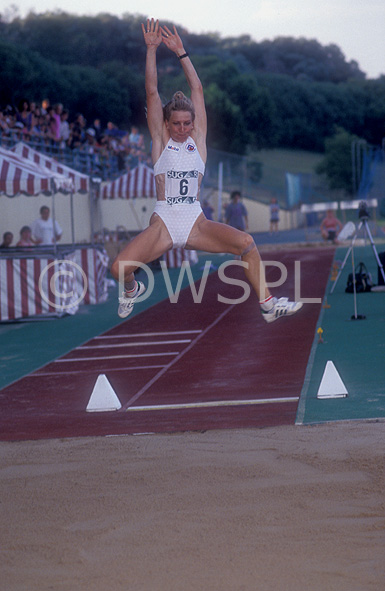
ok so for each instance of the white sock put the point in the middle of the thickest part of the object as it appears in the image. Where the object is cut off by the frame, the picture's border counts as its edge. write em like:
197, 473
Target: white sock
267, 304
131, 292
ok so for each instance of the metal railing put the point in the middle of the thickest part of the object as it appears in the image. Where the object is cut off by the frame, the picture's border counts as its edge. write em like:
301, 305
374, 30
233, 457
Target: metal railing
100, 163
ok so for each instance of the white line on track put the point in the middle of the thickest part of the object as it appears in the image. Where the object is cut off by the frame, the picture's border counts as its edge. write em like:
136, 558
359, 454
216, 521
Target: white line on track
177, 358
213, 404
148, 334
100, 370
107, 357
135, 344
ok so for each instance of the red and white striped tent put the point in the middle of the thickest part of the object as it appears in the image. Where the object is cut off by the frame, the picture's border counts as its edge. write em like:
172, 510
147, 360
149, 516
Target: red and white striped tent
138, 182
19, 175
80, 182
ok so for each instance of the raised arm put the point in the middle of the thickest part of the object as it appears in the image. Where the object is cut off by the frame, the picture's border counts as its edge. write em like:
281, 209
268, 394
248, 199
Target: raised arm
175, 44
153, 38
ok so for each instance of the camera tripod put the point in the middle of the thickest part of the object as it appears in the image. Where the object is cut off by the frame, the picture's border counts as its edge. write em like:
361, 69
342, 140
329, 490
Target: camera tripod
363, 223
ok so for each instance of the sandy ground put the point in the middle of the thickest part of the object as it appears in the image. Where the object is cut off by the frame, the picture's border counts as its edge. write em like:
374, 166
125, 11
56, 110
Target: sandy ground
289, 508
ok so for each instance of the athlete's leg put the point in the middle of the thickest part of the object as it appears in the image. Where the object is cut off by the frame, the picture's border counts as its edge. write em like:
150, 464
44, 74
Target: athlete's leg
146, 247
216, 237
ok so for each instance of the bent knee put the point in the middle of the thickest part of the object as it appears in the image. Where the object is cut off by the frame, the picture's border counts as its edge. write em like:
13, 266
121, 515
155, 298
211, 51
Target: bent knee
247, 244
121, 269
115, 269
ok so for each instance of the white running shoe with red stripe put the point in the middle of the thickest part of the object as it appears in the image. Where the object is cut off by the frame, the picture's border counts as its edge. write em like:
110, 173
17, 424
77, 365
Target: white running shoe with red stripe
126, 304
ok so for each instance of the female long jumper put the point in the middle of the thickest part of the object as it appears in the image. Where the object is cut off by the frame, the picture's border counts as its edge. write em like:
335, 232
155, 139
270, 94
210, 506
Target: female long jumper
179, 152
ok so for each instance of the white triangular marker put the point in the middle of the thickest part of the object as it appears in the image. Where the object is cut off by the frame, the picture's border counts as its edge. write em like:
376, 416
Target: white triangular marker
103, 397
331, 384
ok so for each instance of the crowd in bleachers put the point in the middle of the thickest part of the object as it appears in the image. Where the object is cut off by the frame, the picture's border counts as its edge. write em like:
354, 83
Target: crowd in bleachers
106, 152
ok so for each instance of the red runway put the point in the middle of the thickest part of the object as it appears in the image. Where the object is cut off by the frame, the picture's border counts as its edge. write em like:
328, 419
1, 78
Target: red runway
183, 366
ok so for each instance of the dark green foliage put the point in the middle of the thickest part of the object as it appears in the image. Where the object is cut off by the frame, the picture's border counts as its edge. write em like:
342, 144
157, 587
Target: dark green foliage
303, 59
337, 162
25, 74
281, 93
79, 88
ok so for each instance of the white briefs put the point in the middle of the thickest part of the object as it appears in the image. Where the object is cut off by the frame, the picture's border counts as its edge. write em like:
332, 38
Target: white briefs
179, 219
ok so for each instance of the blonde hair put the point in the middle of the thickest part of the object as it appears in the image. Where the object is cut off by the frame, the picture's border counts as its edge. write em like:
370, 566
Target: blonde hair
179, 102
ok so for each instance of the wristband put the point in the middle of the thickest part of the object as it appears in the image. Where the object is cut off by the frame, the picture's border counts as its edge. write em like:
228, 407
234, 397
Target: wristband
183, 55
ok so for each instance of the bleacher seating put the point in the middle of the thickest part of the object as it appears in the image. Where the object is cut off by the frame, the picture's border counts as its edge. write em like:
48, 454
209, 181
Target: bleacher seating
101, 164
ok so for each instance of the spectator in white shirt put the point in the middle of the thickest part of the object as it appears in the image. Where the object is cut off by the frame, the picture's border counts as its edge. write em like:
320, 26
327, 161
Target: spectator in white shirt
44, 229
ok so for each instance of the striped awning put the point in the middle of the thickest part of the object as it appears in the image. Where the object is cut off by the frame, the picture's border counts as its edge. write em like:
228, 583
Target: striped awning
19, 175
80, 182
138, 182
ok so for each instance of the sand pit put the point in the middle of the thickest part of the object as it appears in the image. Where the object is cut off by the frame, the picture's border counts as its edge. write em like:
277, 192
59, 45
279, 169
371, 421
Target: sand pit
288, 508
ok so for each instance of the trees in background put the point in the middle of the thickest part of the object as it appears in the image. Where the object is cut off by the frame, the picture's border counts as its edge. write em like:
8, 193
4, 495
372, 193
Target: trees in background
336, 164
287, 92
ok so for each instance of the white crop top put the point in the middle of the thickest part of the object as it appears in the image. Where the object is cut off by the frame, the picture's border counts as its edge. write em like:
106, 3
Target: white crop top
181, 165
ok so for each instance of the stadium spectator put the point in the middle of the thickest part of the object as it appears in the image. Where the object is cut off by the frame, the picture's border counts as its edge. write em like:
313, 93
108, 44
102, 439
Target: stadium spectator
24, 115
44, 106
9, 115
97, 126
44, 229
51, 126
90, 142
56, 115
77, 132
330, 227
39, 128
7, 240
18, 131
64, 128
236, 212
26, 237
107, 153
136, 139
4, 122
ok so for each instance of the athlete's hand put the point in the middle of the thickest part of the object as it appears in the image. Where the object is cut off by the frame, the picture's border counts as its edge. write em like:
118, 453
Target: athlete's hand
152, 33
172, 40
